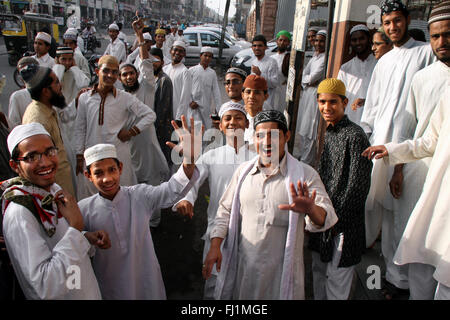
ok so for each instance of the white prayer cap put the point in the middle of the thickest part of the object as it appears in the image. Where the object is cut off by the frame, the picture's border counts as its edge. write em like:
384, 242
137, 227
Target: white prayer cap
322, 33
113, 26
44, 37
22, 132
359, 27
70, 35
147, 36
99, 152
74, 30
230, 105
179, 43
206, 49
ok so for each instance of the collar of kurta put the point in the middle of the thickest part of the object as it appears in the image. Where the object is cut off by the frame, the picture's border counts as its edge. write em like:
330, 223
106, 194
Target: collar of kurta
341, 124
101, 111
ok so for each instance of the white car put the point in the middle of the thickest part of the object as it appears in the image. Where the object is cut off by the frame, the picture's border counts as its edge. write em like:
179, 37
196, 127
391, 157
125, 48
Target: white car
242, 43
199, 38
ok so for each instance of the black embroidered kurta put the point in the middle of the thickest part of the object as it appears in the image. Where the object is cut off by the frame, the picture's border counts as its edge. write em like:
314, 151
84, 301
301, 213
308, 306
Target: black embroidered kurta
346, 176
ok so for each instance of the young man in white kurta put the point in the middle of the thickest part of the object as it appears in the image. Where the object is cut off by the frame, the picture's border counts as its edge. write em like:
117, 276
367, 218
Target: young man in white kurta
266, 253
266, 67
181, 81
205, 88
357, 72
382, 119
101, 120
42, 45
426, 238
305, 147
283, 43
162, 43
116, 47
218, 165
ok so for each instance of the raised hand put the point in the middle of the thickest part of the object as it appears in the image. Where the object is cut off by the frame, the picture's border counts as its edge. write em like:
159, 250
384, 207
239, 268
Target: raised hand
190, 144
185, 208
302, 202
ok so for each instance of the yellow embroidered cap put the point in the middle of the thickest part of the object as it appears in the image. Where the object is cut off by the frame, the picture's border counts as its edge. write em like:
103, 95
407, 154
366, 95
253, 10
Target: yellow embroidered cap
332, 85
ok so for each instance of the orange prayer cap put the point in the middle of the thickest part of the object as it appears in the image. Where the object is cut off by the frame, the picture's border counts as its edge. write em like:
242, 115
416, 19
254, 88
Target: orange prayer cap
255, 82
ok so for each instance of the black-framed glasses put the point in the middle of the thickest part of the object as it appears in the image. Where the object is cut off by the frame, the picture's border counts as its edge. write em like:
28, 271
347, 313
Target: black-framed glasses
36, 156
234, 81
114, 72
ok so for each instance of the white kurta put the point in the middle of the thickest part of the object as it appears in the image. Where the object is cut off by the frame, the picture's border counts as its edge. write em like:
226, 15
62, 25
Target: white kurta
427, 88
117, 49
356, 75
117, 113
43, 265
182, 89
130, 268
72, 81
384, 110
206, 92
45, 61
269, 71
280, 93
82, 63
18, 103
426, 238
308, 111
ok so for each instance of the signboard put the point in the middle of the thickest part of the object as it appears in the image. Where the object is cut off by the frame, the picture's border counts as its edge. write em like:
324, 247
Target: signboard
301, 19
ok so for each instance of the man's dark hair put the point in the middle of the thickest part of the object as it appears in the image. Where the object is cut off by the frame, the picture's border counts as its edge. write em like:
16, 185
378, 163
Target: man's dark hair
417, 35
88, 168
36, 92
260, 37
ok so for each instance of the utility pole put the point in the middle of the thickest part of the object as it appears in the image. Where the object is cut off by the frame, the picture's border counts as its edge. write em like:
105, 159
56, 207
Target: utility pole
224, 27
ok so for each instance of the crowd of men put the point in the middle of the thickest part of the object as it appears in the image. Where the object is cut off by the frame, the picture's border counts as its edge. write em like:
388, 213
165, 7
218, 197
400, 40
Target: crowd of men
87, 168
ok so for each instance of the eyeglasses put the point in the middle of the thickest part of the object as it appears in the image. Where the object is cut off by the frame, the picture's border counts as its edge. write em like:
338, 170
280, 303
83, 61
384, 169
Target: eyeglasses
109, 71
234, 81
36, 156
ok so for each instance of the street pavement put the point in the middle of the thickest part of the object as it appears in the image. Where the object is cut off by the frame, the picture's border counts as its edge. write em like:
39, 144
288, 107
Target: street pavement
177, 240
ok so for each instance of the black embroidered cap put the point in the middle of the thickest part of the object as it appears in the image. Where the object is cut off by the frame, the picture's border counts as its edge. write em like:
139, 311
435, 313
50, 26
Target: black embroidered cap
271, 116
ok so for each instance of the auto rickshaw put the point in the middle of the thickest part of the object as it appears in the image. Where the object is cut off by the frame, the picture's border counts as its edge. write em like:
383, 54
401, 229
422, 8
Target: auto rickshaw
19, 32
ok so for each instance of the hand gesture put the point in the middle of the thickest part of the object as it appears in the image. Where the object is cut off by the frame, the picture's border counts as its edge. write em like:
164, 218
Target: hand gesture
256, 70
68, 207
99, 239
138, 26
376, 152
302, 202
190, 141
185, 208
358, 103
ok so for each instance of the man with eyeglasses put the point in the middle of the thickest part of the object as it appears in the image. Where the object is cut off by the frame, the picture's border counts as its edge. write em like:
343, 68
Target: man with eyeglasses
46, 92
46, 251
205, 88
108, 115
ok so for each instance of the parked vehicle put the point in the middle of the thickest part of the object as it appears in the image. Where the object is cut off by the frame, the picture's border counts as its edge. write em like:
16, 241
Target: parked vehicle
19, 32
200, 38
242, 43
93, 64
91, 43
243, 59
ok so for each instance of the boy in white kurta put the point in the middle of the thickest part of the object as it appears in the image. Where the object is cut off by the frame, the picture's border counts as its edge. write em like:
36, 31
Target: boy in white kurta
130, 269
218, 165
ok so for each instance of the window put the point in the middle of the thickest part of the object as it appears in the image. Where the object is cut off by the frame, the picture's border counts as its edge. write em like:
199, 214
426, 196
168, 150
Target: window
209, 40
192, 38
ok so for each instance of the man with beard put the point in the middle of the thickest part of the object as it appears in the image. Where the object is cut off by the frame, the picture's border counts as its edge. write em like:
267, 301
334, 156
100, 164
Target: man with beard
162, 43
45, 90
265, 67
305, 147
181, 81
427, 87
148, 161
163, 103
282, 58
357, 72
383, 119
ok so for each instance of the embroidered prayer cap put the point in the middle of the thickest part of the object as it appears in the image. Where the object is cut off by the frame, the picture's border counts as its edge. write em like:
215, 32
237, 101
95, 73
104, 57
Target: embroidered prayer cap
44, 37
230, 105
238, 71
206, 49
147, 36
63, 50
33, 75
322, 33
70, 35
315, 29
22, 132
255, 82
285, 33
160, 32
270, 116
108, 59
359, 27
388, 6
113, 26
332, 85
440, 12
26, 61
179, 43
99, 152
